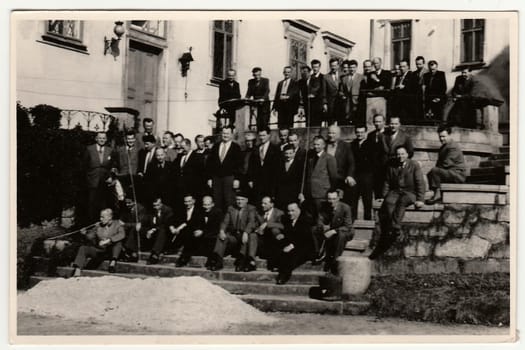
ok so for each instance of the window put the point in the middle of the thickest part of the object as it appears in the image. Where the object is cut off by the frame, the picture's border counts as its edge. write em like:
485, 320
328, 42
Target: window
222, 48
298, 56
336, 46
64, 33
157, 28
472, 40
401, 37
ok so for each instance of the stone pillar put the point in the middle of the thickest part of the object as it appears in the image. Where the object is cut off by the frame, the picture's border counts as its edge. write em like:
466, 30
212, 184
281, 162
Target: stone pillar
242, 121
356, 272
491, 118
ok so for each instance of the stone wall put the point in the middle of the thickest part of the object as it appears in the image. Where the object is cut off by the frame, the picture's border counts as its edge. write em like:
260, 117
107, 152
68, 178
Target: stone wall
452, 238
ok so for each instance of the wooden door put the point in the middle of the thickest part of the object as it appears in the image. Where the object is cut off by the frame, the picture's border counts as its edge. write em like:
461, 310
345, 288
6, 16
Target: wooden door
143, 70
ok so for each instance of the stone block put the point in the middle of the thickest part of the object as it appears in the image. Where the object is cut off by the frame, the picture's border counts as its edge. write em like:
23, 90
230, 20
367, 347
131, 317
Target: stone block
356, 273
489, 213
501, 251
486, 266
474, 198
436, 231
466, 248
493, 232
436, 266
418, 249
418, 216
359, 245
503, 214
453, 217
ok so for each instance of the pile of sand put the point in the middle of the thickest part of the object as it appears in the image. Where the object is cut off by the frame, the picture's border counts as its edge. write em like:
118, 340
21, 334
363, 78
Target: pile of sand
179, 305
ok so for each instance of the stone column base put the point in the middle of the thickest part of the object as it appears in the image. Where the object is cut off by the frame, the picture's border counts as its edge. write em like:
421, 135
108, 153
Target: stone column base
356, 272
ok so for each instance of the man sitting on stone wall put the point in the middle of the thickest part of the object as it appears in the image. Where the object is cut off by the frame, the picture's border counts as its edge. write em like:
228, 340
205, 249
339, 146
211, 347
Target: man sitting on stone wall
450, 166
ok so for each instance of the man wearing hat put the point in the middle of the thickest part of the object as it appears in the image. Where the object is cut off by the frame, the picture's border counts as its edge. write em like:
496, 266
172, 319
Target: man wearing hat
236, 227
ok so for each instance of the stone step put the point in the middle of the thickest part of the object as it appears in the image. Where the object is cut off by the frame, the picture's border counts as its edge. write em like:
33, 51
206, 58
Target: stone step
504, 149
494, 163
483, 180
273, 302
200, 261
226, 274
489, 171
425, 214
474, 194
500, 156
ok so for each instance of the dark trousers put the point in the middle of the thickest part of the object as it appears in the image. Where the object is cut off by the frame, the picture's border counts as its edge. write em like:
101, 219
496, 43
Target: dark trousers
263, 114
335, 245
131, 244
223, 193
249, 249
160, 240
315, 112
393, 209
230, 245
97, 254
287, 262
379, 181
285, 115
363, 189
201, 246
96, 202
438, 175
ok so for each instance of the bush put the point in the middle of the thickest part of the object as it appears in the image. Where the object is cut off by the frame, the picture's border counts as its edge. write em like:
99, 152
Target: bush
443, 298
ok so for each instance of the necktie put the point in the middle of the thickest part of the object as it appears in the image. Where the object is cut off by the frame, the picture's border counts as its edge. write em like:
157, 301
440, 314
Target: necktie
261, 154
238, 224
266, 216
148, 156
287, 165
223, 151
101, 154
316, 158
183, 161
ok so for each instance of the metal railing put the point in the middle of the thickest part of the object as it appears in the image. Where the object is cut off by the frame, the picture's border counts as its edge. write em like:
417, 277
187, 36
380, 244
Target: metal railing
86, 120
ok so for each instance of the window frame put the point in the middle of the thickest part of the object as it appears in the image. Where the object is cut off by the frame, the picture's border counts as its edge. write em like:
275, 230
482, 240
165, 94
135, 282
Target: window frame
473, 30
402, 40
214, 79
64, 41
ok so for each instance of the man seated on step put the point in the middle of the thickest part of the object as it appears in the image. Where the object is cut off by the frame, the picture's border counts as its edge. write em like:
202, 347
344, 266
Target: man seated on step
208, 230
158, 229
238, 223
404, 185
134, 218
450, 166
184, 230
264, 240
334, 227
105, 241
296, 246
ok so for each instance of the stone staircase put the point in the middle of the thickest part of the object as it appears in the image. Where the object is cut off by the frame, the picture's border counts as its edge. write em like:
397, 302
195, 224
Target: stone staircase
257, 288
494, 170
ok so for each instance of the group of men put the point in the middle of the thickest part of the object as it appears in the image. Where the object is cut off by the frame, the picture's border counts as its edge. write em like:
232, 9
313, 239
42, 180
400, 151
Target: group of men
282, 201
340, 95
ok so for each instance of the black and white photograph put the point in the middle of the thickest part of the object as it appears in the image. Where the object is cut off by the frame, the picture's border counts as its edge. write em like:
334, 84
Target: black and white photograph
305, 176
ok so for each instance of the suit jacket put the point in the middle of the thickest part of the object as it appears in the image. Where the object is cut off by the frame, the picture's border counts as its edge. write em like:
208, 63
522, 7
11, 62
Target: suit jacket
142, 161
344, 159
190, 177
228, 92
114, 231
408, 179
96, 171
408, 89
171, 154
462, 86
363, 153
332, 87
235, 224
451, 158
321, 177
300, 234
263, 175
402, 139
385, 78
127, 161
194, 222
379, 149
350, 87
274, 224
315, 86
292, 93
289, 182
339, 219
159, 179
211, 222
164, 221
435, 85
258, 89
231, 165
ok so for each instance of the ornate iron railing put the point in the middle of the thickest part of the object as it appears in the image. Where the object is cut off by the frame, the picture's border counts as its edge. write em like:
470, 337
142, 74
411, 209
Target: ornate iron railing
87, 120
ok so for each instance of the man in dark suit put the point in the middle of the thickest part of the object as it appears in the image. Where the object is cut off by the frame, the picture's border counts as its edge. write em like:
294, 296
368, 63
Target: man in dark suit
286, 101
321, 174
147, 162
384, 76
435, 87
223, 169
184, 230
98, 160
263, 241
158, 229
238, 223
296, 246
370, 88
364, 173
248, 151
148, 126
228, 90
299, 152
135, 218
463, 113
209, 229
313, 95
159, 177
259, 91
349, 92
332, 80
403, 100
397, 137
189, 174
288, 178
344, 159
334, 225
264, 163
450, 166
417, 83
404, 185
378, 154
127, 157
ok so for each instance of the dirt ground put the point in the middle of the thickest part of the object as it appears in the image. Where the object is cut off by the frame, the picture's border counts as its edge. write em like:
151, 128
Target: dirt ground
288, 324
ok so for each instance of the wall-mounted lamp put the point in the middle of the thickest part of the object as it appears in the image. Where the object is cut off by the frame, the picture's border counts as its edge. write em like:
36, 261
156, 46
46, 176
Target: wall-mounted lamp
111, 45
185, 60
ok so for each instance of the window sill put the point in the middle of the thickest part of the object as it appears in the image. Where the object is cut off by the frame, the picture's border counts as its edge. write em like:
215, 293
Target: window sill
471, 65
63, 43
